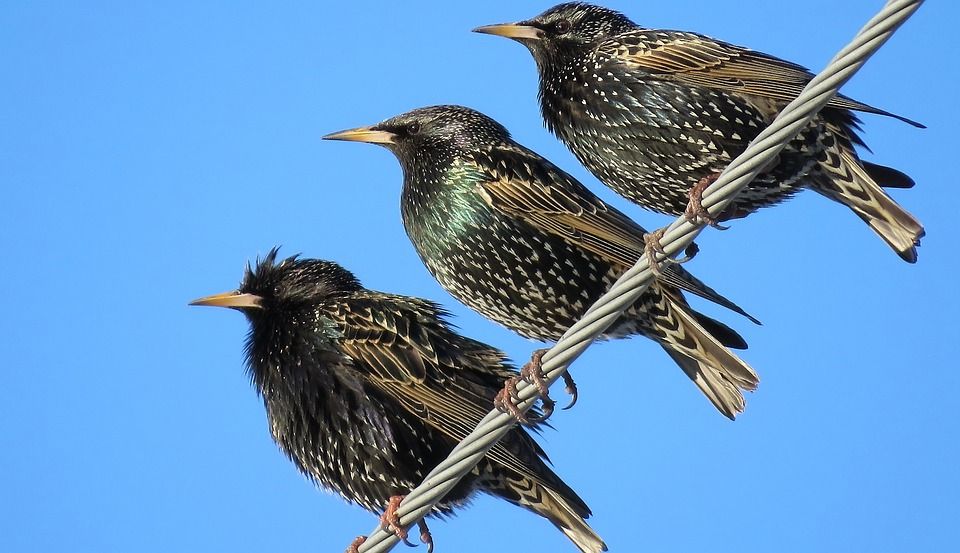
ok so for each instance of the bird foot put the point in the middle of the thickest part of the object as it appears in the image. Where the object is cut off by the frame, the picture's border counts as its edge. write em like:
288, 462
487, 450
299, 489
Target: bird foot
391, 520
532, 373
506, 400
426, 537
695, 212
355, 544
652, 247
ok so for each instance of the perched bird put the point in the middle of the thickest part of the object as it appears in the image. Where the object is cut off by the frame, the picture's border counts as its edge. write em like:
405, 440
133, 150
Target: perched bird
366, 392
657, 115
515, 238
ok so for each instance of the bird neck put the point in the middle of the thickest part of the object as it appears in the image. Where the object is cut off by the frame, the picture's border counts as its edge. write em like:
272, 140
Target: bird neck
557, 66
437, 184
292, 357
561, 89
441, 205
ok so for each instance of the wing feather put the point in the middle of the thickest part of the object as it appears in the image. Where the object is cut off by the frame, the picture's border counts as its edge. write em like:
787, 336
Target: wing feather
565, 208
699, 60
402, 354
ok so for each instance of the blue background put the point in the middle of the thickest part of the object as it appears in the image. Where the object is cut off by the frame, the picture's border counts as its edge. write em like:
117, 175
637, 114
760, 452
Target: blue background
147, 152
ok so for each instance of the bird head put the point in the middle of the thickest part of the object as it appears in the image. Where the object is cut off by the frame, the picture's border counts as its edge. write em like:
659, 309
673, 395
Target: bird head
563, 31
430, 136
290, 284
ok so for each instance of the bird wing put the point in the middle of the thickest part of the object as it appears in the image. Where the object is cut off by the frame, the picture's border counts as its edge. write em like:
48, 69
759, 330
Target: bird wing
526, 186
702, 61
393, 349
400, 354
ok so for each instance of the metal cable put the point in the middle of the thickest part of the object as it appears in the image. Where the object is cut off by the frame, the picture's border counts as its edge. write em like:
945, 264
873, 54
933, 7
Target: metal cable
632, 283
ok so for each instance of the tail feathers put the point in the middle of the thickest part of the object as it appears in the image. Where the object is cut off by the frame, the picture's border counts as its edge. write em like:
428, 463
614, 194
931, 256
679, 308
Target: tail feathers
572, 525
887, 177
681, 278
849, 183
723, 333
718, 373
566, 513
724, 395
846, 102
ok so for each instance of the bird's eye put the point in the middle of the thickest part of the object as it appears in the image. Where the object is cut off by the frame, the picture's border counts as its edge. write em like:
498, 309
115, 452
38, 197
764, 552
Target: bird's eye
413, 128
561, 26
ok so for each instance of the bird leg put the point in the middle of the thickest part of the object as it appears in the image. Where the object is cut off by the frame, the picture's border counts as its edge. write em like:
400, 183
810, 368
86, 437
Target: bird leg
355, 544
425, 536
391, 520
652, 247
695, 212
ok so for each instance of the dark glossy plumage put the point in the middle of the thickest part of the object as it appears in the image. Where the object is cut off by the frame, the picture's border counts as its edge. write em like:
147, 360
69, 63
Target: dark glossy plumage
514, 237
366, 392
652, 112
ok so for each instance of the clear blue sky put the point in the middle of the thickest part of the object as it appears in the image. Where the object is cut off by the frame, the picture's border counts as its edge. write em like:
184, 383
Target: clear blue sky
148, 151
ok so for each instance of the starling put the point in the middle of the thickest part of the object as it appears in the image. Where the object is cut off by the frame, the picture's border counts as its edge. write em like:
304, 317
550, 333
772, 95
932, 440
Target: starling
656, 115
515, 238
366, 392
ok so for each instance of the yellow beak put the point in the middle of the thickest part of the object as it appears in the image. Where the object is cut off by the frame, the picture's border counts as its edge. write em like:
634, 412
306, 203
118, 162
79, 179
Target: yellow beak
515, 31
363, 134
233, 299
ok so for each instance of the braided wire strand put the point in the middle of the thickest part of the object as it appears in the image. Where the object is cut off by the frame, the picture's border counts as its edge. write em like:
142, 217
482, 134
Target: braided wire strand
740, 172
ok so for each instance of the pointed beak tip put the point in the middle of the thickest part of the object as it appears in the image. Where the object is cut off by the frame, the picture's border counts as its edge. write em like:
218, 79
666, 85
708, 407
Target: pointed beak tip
228, 299
515, 31
362, 134
332, 136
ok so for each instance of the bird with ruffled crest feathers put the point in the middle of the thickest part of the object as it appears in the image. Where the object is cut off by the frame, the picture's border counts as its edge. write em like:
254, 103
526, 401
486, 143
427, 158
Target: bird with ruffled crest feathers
656, 115
366, 392
517, 239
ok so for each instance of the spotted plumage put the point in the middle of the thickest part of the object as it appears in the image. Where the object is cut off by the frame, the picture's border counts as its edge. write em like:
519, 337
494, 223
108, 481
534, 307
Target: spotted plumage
653, 112
512, 236
366, 392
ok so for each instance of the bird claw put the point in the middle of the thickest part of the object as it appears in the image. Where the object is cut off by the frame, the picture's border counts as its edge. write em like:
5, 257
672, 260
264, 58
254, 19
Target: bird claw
652, 247
426, 537
695, 212
547, 407
689, 253
506, 400
390, 520
355, 544
532, 373
571, 388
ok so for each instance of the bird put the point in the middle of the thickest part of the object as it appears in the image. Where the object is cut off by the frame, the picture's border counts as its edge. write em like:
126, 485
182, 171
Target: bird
520, 241
656, 115
367, 391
